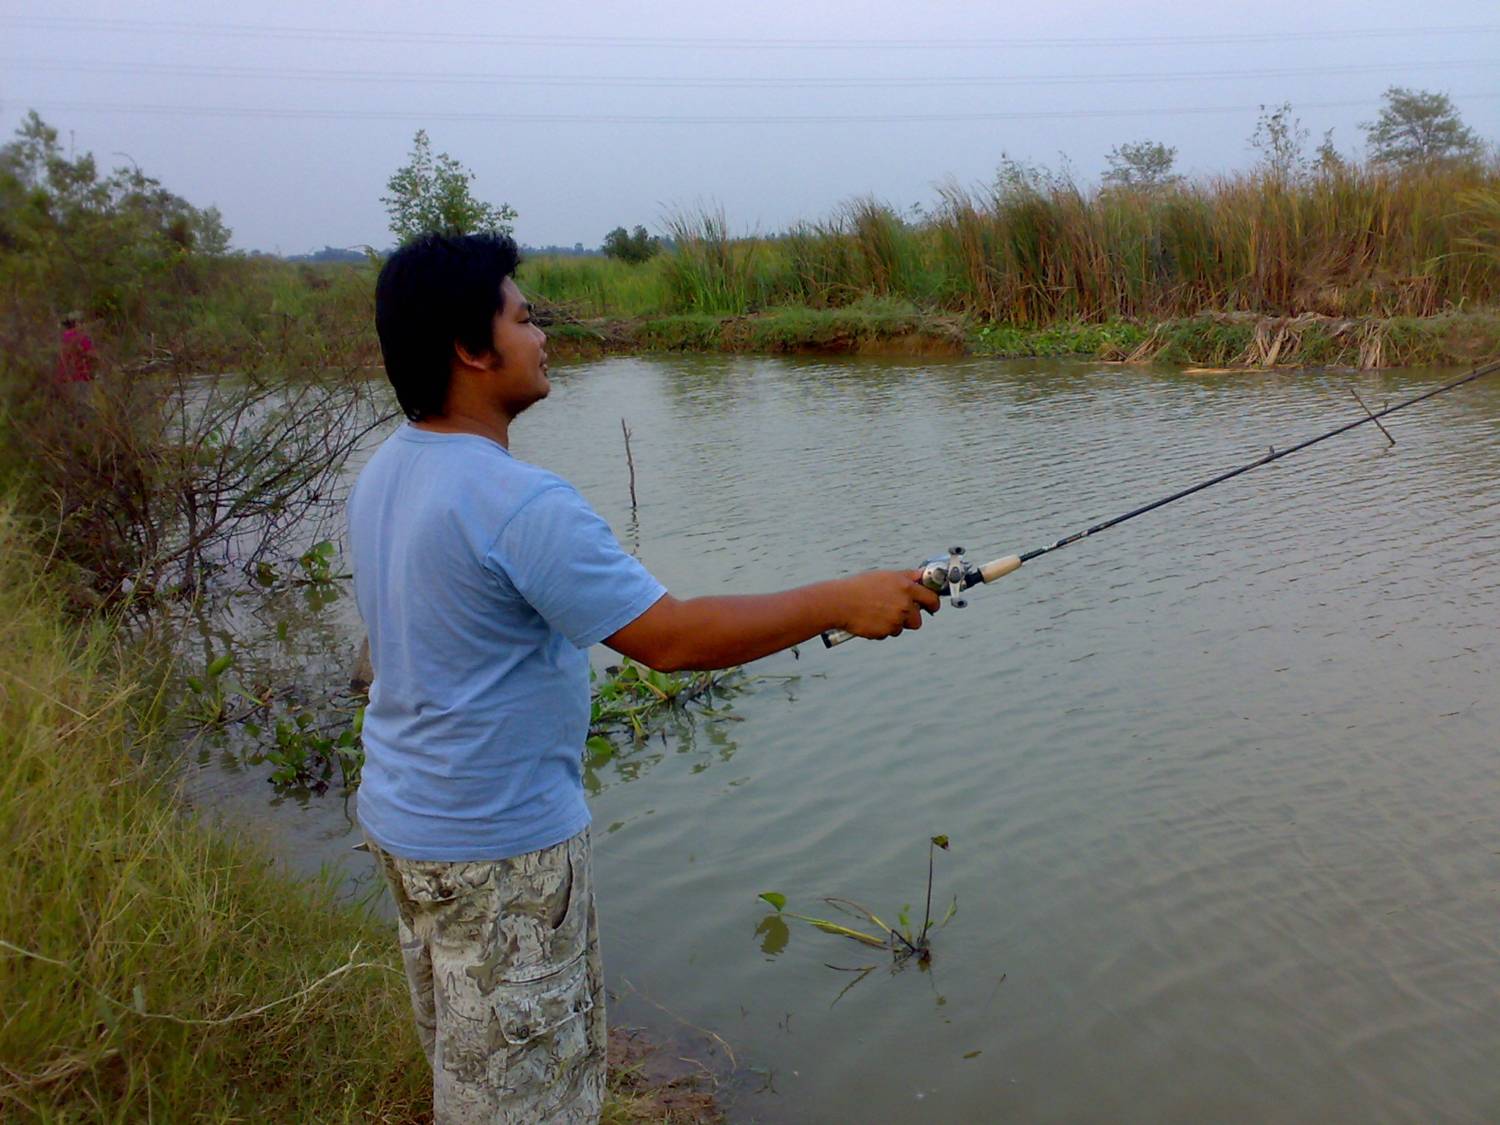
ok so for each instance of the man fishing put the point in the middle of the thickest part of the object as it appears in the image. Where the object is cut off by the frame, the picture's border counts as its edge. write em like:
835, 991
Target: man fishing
483, 581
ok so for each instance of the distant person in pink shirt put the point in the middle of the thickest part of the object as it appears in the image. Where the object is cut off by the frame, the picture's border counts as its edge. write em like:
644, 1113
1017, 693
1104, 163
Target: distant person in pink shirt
75, 353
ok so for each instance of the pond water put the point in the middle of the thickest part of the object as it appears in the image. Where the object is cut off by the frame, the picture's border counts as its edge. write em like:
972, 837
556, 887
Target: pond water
1220, 783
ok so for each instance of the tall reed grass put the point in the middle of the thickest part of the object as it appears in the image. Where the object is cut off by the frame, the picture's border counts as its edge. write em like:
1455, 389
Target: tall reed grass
1037, 250
597, 287
710, 271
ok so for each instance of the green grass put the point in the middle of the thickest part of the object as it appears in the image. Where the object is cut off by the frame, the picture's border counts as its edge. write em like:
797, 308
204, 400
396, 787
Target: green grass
1112, 339
596, 287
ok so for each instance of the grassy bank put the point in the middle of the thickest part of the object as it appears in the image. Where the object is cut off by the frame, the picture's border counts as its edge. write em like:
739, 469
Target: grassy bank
152, 968
1245, 340
1220, 340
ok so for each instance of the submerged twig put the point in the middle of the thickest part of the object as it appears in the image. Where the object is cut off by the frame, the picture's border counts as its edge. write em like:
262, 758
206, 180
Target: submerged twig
1374, 419
629, 462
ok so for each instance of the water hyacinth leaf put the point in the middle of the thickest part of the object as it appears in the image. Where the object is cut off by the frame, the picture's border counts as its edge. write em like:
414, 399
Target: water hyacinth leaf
600, 749
196, 684
775, 898
220, 665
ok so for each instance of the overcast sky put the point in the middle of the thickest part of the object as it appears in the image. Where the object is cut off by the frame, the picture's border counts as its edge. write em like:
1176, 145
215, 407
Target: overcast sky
586, 116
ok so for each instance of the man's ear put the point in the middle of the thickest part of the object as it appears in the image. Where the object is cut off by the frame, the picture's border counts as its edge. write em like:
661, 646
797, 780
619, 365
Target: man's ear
483, 361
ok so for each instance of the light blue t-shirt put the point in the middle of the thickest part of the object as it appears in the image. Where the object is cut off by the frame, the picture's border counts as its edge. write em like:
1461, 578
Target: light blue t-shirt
482, 581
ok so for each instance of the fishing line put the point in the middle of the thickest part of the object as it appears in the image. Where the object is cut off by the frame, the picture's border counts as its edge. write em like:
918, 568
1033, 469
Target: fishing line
952, 575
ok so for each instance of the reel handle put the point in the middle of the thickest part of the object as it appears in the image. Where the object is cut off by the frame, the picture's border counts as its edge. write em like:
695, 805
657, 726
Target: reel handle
948, 576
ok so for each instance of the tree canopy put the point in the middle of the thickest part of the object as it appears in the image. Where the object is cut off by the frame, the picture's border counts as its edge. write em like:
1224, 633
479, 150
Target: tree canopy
431, 193
633, 247
1418, 127
1144, 164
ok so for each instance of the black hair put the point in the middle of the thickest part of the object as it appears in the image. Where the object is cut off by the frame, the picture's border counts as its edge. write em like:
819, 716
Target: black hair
436, 291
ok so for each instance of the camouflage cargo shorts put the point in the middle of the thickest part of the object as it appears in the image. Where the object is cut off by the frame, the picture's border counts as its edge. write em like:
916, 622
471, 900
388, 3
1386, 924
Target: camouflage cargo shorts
502, 957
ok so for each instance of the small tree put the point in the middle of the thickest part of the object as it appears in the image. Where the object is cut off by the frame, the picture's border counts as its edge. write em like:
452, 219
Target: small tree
1280, 139
432, 193
210, 235
1418, 127
1145, 165
1329, 161
634, 247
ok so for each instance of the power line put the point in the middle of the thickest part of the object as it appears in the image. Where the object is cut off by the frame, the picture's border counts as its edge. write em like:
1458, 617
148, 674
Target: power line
188, 70
278, 31
270, 112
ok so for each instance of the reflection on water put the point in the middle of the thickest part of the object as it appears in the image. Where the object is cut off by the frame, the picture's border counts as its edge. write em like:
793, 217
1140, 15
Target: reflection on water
1220, 783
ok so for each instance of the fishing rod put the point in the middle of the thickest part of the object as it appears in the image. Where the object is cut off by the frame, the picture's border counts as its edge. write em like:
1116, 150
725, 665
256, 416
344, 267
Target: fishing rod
949, 576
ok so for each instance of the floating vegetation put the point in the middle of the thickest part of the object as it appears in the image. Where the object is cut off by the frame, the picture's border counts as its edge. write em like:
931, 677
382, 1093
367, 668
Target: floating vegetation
634, 702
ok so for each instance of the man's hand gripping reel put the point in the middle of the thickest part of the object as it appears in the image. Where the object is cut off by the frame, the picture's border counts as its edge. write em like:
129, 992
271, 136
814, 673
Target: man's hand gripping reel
948, 578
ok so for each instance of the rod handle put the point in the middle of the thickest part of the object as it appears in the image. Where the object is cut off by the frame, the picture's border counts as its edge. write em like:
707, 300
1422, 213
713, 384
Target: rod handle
1000, 567
836, 637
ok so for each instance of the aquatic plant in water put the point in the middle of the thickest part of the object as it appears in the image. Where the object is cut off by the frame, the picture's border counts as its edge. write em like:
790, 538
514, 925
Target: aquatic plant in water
904, 944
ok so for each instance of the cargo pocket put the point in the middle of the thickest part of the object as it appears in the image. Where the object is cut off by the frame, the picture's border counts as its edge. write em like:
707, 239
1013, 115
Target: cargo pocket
531, 1010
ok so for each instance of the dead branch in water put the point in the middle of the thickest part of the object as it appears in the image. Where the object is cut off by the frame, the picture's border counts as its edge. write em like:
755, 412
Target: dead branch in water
630, 462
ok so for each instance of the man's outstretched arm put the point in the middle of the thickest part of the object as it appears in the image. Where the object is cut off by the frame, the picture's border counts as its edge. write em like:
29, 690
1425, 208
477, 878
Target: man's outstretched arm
719, 632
